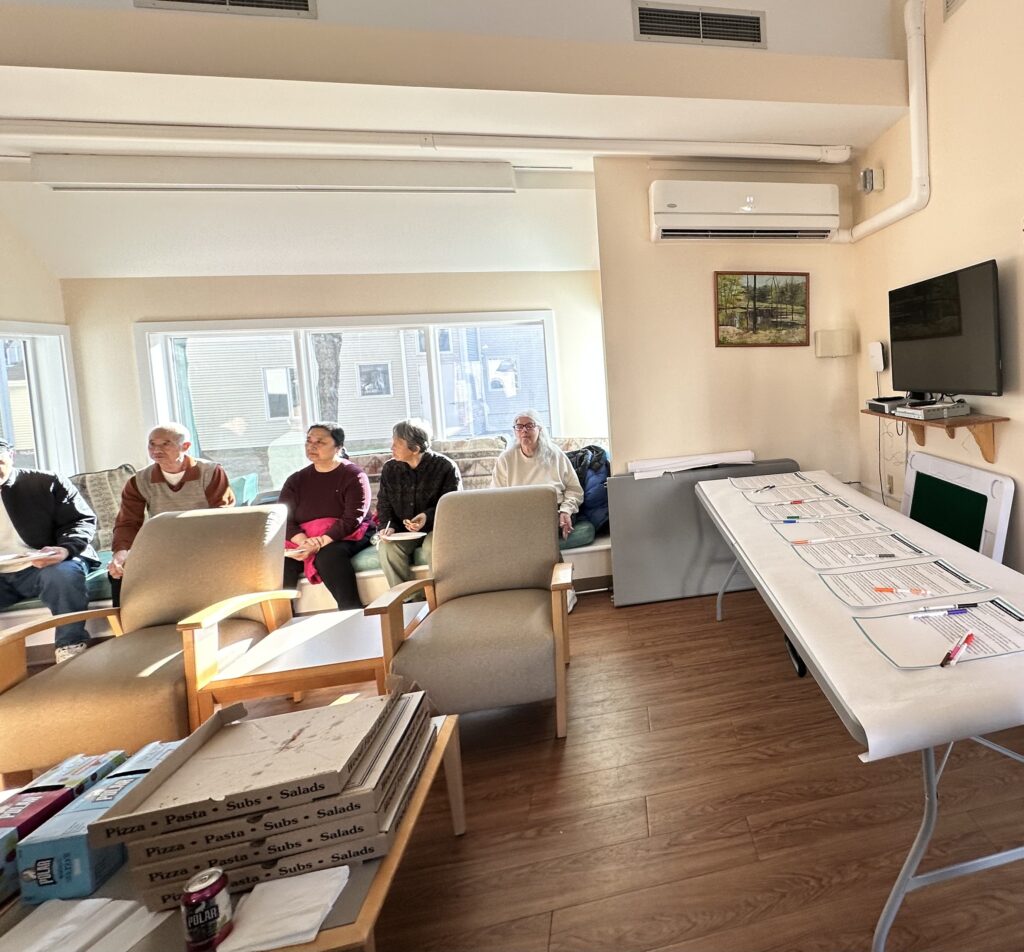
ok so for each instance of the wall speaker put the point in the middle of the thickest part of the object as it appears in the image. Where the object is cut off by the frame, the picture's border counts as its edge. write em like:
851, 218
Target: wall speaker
876, 356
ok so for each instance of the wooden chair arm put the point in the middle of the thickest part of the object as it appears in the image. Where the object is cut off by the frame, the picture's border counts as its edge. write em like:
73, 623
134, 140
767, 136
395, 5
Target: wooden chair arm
231, 606
21, 632
396, 595
561, 577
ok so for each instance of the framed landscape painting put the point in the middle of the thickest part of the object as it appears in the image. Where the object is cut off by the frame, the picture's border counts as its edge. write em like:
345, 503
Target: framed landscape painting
754, 309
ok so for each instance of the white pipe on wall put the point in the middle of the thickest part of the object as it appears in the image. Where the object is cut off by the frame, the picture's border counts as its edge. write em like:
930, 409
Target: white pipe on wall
917, 92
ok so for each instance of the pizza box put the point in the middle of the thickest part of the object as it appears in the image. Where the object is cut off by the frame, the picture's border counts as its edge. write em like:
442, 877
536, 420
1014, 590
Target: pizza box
371, 779
351, 852
232, 766
248, 852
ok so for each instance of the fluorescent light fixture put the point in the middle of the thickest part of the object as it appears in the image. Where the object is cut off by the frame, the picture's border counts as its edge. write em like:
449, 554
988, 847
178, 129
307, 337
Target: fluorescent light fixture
104, 173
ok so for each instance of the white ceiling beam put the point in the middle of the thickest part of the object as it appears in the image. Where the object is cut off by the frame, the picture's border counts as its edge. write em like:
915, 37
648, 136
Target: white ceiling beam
190, 173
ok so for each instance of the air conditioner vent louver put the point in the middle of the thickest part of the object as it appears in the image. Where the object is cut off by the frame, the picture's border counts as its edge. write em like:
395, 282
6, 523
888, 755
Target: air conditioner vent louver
275, 8
950, 7
665, 22
741, 234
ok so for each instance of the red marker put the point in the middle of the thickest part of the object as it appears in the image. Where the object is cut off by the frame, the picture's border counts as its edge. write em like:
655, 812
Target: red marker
953, 655
796, 502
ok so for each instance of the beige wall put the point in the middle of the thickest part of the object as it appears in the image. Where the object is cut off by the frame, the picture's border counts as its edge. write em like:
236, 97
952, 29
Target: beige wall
670, 390
976, 212
102, 314
28, 291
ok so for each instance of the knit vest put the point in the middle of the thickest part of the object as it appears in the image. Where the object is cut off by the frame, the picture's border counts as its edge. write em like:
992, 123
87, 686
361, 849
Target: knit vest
190, 494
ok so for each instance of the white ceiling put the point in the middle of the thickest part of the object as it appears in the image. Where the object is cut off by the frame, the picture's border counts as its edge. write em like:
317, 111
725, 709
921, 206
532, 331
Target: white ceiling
132, 234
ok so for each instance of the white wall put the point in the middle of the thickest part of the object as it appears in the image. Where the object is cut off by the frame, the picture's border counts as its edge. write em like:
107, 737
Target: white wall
28, 291
671, 391
976, 212
102, 314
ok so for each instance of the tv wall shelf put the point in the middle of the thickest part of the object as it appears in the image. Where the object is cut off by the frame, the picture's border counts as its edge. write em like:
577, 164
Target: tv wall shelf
982, 427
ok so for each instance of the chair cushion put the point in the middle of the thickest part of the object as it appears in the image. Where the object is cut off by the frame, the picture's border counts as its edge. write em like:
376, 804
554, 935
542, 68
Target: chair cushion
368, 559
182, 562
494, 539
468, 657
122, 693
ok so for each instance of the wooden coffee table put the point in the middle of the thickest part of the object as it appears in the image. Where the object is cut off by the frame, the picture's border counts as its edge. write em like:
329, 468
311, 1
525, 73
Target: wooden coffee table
308, 652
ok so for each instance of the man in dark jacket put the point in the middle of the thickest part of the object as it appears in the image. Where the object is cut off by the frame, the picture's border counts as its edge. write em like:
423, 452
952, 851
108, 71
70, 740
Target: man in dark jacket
44, 515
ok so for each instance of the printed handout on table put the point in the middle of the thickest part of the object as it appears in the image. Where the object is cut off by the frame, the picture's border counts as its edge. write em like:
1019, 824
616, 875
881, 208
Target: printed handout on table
770, 479
838, 527
769, 494
922, 641
897, 584
859, 551
812, 509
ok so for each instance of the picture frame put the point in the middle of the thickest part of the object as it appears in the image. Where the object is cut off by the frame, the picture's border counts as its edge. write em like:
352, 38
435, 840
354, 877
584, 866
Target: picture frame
373, 379
762, 308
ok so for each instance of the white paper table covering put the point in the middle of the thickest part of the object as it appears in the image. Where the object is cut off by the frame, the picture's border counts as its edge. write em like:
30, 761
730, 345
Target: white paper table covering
131, 930
897, 711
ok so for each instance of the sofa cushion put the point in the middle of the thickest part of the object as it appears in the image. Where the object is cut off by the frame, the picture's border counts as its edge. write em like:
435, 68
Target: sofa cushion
122, 693
102, 491
583, 533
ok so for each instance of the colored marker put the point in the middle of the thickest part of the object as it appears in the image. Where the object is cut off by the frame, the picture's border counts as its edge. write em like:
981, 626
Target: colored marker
880, 555
763, 488
966, 605
809, 541
953, 655
796, 502
889, 590
930, 613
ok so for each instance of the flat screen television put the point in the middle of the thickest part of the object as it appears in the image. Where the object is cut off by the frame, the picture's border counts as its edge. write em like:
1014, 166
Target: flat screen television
944, 333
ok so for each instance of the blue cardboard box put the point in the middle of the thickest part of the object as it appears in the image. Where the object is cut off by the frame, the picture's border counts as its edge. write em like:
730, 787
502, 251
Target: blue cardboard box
8, 863
56, 861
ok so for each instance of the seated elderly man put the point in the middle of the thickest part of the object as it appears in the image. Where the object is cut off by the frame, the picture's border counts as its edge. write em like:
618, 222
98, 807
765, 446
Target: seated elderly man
410, 486
173, 482
44, 516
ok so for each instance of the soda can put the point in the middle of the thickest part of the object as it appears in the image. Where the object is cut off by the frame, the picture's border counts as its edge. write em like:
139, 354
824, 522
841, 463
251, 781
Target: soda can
206, 910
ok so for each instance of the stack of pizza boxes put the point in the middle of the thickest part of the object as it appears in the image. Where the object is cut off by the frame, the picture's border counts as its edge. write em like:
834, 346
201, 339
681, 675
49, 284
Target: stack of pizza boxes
270, 797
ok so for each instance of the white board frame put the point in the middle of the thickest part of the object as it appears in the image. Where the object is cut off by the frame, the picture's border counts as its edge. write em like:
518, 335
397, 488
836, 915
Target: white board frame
997, 490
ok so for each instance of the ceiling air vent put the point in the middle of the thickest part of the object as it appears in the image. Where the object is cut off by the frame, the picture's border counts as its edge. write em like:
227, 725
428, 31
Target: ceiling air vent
267, 8
711, 26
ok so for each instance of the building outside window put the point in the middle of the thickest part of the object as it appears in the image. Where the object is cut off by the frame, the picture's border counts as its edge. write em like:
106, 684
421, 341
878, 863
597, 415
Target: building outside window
36, 413
466, 379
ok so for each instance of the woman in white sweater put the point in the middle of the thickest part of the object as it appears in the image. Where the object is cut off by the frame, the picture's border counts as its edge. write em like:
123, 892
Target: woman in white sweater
535, 461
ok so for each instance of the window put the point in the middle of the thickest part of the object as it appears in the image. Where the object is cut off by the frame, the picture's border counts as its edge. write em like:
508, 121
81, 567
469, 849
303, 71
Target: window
36, 413
281, 386
249, 393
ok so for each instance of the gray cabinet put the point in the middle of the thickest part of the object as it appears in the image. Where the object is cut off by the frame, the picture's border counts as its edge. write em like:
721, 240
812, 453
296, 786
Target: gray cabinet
663, 543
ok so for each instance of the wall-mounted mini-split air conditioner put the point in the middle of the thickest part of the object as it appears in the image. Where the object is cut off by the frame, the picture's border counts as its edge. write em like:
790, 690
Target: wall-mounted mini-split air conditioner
778, 211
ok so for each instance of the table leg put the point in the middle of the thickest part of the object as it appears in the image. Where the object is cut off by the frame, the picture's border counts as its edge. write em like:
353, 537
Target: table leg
453, 780
914, 857
721, 591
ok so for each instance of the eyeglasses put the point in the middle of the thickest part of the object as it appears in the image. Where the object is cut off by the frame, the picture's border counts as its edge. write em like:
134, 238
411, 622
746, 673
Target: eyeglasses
519, 427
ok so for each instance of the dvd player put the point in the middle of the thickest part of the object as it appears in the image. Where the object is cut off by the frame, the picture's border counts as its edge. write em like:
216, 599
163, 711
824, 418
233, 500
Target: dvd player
936, 411
885, 404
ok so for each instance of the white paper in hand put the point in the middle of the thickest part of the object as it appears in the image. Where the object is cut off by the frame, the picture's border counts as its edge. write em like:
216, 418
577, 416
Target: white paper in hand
259, 923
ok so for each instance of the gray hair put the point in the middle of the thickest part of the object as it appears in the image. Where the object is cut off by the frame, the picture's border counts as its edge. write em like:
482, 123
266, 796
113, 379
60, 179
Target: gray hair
545, 445
179, 432
415, 432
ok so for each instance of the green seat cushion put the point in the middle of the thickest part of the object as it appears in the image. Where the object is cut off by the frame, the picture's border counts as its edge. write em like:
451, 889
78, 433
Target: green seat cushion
582, 534
367, 560
97, 584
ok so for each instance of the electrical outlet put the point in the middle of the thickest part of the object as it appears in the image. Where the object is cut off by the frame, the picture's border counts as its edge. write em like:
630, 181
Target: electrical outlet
888, 483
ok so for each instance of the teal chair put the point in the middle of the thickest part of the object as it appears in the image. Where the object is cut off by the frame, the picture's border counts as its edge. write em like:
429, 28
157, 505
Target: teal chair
245, 488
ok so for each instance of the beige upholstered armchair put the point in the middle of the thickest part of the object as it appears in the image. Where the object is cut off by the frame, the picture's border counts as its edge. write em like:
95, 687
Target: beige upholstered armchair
199, 587
496, 632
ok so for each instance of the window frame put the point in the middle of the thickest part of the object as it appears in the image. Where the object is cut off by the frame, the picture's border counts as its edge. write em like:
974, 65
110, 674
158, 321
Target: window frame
156, 380
56, 451
291, 414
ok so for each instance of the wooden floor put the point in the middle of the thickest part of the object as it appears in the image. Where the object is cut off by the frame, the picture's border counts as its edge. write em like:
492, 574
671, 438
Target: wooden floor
705, 800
